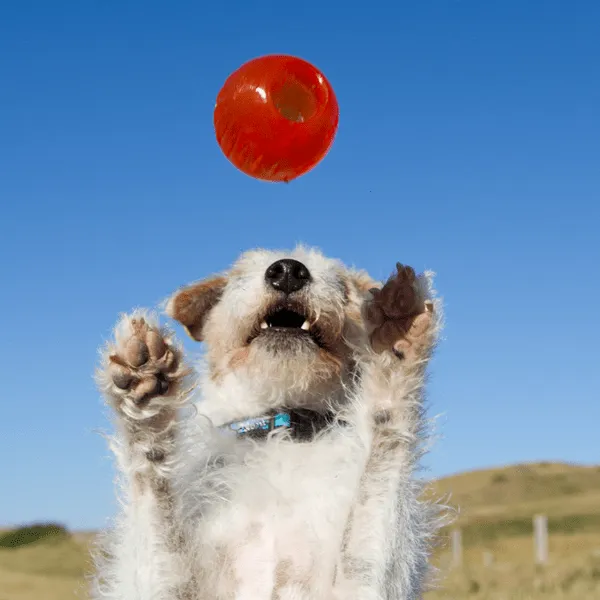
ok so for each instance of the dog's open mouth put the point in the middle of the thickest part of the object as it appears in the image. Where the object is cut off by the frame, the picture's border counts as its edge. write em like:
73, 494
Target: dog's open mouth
286, 321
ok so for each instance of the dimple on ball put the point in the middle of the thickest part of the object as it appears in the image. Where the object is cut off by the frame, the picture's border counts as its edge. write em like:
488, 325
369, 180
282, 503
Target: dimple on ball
276, 117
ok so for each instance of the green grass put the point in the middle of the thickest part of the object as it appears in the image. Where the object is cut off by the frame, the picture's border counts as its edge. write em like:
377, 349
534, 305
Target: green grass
32, 533
481, 531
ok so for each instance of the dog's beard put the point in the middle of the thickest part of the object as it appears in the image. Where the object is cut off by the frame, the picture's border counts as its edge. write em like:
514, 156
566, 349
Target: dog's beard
286, 343
292, 368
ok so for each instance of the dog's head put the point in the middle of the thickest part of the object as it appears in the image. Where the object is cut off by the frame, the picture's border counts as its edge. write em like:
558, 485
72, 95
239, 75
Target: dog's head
287, 323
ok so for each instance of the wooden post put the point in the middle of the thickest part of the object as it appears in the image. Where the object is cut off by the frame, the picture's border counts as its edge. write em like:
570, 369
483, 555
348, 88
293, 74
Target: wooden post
488, 559
540, 539
456, 547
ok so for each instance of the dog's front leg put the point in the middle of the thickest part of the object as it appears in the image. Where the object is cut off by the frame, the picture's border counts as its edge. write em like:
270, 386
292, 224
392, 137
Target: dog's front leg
141, 376
386, 545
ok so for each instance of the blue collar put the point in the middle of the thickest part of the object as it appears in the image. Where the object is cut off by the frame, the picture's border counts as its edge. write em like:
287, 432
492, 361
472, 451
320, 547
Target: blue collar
303, 424
263, 424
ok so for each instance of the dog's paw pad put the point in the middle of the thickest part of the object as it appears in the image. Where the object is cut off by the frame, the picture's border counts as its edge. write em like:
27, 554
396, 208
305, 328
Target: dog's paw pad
121, 376
144, 364
136, 352
398, 316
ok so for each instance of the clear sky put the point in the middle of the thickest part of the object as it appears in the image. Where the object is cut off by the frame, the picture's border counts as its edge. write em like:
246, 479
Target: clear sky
468, 144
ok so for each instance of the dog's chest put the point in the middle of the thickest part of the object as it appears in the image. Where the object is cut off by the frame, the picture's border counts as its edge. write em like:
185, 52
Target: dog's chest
285, 516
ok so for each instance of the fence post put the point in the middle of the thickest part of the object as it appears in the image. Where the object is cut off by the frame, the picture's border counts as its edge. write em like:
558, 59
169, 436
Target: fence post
540, 538
456, 547
488, 559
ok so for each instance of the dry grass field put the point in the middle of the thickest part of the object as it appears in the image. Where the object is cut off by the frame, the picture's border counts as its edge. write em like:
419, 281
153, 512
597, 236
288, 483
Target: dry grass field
496, 508
495, 511
573, 572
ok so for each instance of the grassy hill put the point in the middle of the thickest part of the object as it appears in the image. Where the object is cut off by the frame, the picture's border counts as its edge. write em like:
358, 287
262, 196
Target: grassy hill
553, 488
495, 507
51, 568
500, 503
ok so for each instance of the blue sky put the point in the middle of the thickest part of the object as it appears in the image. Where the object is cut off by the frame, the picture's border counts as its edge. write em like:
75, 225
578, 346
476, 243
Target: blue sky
468, 144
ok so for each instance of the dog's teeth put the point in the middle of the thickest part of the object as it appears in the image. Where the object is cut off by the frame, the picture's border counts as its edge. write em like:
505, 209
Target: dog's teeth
264, 325
305, 325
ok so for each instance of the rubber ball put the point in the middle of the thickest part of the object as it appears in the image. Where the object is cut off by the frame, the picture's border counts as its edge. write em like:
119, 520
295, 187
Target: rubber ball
276, 117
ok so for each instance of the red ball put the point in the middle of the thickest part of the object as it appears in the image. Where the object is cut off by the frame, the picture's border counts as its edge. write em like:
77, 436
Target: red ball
276, 117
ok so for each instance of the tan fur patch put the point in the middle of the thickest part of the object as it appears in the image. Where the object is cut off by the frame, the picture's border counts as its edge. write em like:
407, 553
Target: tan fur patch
191, 305
282, 575
239, 358
333, 362
364, 282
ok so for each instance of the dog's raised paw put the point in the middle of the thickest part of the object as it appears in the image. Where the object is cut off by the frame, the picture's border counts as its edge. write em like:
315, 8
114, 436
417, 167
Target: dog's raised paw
398, 315
143, 363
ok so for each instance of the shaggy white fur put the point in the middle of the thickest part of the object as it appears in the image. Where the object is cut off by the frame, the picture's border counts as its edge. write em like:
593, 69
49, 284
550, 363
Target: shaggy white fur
335, 513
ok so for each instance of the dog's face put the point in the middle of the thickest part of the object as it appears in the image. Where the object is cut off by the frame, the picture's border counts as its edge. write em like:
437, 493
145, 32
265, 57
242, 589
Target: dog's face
288, 322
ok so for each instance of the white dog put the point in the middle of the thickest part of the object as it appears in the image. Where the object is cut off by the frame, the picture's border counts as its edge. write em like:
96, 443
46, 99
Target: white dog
285, 468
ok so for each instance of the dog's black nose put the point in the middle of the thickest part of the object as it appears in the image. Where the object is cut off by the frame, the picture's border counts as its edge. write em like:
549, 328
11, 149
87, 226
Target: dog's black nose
287, 275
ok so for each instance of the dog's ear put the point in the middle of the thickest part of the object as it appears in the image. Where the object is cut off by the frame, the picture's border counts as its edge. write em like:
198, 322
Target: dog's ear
190, 305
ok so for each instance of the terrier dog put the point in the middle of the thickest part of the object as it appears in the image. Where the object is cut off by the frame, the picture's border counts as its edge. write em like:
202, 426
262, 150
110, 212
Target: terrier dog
283, 468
